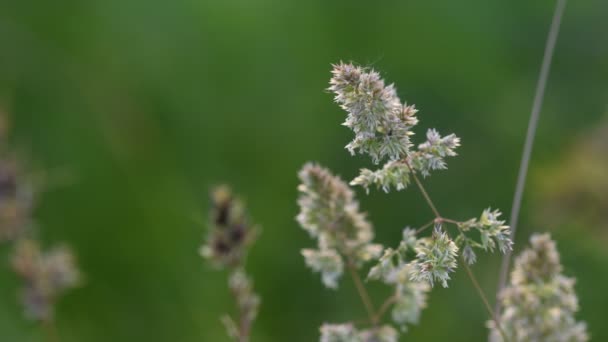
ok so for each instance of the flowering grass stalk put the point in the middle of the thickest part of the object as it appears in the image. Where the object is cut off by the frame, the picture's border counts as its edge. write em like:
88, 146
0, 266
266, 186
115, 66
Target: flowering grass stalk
46, 275
383, 127
230, 236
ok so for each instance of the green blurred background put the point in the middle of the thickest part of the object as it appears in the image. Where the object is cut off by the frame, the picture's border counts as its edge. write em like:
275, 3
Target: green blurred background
149, 103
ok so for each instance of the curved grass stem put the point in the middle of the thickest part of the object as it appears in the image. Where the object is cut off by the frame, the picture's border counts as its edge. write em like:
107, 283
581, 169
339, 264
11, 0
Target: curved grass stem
363, 294
439, 219
50, 330
530, 135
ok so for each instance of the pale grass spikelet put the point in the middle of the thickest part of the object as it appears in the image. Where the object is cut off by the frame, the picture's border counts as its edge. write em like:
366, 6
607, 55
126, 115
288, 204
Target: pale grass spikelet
394, 269
381, 123
384, 333
392, 174
46, 276
339, 333
436, 258
383, 128
468, 254
411, 299
326, 261
432, 152
330, 213
493, 232
348, 333
540, 303
385, 268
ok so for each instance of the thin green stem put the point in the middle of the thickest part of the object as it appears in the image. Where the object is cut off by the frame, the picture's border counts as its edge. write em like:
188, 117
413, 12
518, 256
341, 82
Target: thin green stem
457, 223
363, 294
385, 306
484, 299
50, 330
440, 219
423, 228
424, 193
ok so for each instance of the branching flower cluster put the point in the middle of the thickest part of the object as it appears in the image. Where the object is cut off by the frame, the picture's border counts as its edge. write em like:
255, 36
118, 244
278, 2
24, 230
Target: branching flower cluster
539, 304
383, 128
230, 236
396, 268
382, 124
436, 258
329, 212
492, 231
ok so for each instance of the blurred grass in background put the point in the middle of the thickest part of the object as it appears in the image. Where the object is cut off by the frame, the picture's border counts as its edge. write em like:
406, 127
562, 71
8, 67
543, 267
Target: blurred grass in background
148, 103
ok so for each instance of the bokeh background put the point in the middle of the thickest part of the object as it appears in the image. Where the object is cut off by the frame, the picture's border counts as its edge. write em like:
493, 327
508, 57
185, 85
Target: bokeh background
146, 104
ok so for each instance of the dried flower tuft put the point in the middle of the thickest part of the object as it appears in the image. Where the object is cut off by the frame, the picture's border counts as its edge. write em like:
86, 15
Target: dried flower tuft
230, 232
229, 239
539, 304
330, 213
395, 269
47, 275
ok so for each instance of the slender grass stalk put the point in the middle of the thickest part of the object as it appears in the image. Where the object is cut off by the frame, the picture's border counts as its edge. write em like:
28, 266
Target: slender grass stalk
50, 330
439, 219
530, 135
385, 306
363, 294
